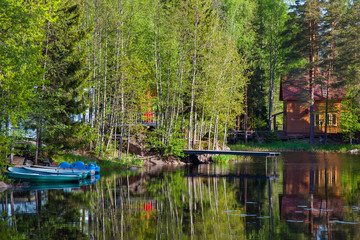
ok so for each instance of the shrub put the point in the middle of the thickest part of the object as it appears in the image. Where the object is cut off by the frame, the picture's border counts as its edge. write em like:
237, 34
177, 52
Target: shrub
272, 137
172, 147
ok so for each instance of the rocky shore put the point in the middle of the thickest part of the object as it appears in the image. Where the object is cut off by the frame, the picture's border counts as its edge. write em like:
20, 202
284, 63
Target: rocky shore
139, 147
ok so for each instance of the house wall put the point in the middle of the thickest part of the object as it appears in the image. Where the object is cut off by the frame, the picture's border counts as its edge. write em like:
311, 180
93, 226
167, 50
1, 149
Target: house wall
297, 117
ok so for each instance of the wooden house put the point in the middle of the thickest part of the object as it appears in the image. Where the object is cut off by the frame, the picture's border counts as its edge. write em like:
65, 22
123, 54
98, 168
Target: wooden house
295, 94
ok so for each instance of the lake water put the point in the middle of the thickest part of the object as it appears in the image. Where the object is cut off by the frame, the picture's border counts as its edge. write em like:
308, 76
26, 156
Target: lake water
298, 196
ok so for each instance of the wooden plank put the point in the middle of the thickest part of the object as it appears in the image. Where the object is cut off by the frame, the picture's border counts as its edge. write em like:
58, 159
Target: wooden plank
243, 153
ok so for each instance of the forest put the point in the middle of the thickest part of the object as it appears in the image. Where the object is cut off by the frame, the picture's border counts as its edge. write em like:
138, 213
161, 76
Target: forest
82, 74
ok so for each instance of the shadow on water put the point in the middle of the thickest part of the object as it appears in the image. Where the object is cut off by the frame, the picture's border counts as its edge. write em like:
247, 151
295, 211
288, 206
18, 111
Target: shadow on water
299, 196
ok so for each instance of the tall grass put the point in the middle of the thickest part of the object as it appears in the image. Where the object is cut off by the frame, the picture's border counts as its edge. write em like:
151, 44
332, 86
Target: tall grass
223, 158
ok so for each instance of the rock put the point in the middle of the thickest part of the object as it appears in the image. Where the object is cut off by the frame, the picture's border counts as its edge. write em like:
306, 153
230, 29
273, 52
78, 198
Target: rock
156, 161
137, 145
132, 168
135, 148
17, 160
205, 158
28, 163
3, 186
354, 151
181, 163
197, 159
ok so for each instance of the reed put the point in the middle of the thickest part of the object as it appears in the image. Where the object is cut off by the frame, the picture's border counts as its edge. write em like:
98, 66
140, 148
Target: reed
223, 158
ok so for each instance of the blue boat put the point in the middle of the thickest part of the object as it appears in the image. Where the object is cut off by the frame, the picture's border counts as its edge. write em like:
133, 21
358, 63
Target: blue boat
66, 168
27, 175
80, 165
82, 174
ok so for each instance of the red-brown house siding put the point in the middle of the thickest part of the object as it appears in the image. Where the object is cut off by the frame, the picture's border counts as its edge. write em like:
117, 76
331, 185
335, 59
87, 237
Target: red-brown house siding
294, 91
297, 117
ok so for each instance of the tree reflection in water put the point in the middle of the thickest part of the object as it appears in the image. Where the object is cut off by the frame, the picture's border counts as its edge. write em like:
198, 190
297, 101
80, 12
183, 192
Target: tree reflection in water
305, 196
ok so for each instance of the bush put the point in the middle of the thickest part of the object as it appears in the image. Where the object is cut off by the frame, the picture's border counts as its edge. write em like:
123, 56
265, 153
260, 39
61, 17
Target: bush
173, 147
271, 137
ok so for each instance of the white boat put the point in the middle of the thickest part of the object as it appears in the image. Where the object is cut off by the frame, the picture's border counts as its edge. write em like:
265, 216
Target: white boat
82, 174
90, 172
26, 175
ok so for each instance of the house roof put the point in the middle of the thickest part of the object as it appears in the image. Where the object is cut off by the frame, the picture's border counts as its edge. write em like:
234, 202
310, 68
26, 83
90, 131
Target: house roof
296, 87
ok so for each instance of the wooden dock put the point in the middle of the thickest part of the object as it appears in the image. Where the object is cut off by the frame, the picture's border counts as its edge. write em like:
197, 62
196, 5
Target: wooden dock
242, 153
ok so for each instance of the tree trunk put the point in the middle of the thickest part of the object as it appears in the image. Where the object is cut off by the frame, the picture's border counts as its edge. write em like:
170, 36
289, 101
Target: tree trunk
226, 119
156, 68
271, 80
201, 127
38, 143
103, 120
311, 79
331, 64
209, 136
246, 116
192, 91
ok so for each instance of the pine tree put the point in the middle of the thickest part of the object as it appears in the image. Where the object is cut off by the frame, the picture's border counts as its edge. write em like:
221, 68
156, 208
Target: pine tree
60, 97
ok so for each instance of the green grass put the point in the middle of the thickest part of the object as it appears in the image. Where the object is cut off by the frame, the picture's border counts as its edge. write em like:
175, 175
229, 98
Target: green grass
71, 158
223, 158
294, 146
226, 158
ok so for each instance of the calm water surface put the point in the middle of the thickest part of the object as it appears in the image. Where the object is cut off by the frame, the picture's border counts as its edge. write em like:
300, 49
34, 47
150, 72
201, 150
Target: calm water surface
299, 196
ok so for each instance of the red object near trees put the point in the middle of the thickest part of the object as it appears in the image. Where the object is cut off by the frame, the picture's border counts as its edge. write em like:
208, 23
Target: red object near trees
148, 117
148, 206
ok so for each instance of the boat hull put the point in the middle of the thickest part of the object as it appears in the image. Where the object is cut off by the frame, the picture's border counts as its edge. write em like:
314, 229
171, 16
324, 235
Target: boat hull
25, 175
91, 172
82, 174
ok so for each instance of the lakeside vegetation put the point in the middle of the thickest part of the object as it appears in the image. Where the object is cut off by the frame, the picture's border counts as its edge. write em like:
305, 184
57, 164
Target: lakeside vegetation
293, 146
105, 164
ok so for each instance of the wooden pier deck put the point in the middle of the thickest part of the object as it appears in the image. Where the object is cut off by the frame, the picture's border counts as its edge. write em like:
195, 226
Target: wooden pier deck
242, 153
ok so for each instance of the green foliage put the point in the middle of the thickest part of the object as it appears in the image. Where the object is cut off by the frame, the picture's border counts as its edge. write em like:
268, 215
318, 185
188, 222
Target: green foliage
259, 30
20, 68
105, 164
115, 164
173, 147
350, 120
223, 158
130, 160
7, 144
271, 137
60, 98
189, 62
71, 158
5, 231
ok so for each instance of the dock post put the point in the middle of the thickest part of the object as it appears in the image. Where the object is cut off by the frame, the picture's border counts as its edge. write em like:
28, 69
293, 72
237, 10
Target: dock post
266, 158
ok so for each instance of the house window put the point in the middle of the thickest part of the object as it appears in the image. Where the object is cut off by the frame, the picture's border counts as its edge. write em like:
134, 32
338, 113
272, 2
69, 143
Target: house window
332, 119
329, 119
317, 119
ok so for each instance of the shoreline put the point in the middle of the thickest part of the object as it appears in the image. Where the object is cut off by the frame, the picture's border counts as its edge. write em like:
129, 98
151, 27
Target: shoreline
297, 147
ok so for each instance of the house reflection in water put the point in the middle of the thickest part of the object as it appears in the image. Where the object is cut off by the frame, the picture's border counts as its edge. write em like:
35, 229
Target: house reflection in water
311, 191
